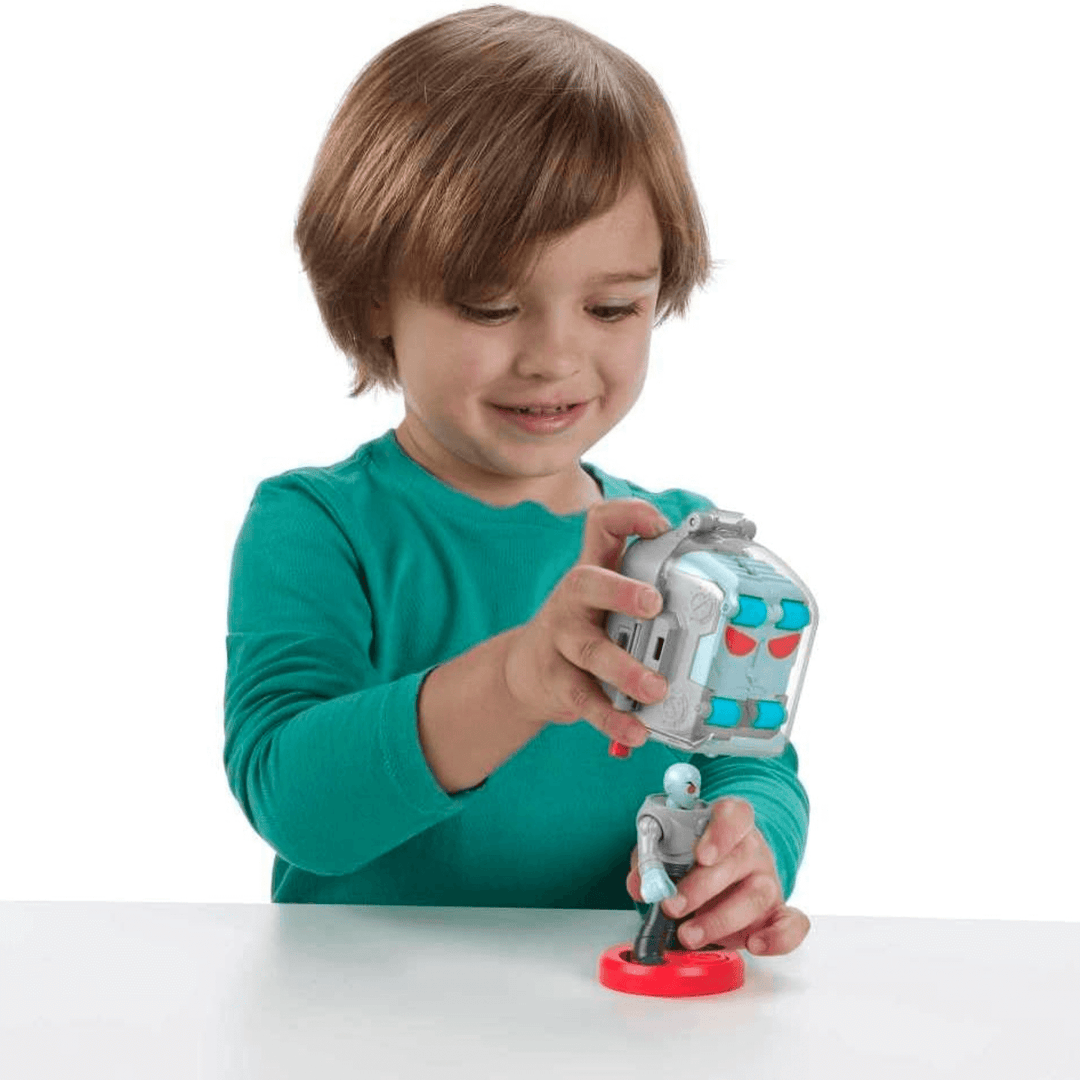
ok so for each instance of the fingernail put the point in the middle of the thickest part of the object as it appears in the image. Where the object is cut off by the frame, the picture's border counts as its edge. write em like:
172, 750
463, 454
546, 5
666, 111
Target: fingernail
655, 684
651, 602
707, 856
676, 904
756, 944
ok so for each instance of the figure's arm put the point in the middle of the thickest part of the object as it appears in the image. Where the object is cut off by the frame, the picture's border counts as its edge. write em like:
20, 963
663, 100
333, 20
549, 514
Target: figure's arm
655, 882
323, 755
773, 789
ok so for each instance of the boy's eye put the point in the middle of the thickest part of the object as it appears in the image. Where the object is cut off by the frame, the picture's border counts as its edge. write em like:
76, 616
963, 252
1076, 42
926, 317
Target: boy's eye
482, 314
607, 313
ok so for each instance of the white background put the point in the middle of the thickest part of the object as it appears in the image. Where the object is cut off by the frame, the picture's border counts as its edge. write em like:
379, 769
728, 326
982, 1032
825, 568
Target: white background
881, 377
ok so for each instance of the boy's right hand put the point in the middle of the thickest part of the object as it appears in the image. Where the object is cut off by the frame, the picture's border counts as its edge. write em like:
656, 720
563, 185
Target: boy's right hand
554, 661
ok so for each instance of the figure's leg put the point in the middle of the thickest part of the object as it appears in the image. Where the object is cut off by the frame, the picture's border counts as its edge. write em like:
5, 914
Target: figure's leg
649, 944
676, 872
657, 930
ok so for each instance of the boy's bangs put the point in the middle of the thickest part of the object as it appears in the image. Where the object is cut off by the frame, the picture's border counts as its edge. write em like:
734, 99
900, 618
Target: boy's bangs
480, 229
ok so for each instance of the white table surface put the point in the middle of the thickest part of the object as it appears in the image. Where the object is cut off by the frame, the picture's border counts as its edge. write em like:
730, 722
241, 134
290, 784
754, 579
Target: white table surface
156, 991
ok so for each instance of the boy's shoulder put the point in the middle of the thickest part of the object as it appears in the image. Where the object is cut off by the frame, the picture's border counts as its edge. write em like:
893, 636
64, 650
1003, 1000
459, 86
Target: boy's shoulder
344, 492
362, 467
674, 503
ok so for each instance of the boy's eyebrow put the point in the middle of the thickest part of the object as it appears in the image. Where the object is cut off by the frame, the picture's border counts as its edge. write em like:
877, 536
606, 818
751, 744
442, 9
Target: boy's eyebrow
623, 275
626, 275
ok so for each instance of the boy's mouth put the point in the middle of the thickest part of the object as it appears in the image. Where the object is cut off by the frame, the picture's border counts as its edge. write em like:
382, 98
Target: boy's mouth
543, 418
539, 410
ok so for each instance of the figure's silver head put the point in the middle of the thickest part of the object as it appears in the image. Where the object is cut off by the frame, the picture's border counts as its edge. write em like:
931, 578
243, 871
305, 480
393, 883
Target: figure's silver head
682, 783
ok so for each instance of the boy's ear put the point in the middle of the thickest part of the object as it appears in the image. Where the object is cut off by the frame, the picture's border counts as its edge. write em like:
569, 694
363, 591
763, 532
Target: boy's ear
380, 321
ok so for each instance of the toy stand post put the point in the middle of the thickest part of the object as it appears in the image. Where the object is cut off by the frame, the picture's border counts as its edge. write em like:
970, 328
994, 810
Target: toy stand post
689, 973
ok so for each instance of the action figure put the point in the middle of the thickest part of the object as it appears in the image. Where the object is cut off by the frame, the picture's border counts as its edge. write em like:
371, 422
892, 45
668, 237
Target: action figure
667, 829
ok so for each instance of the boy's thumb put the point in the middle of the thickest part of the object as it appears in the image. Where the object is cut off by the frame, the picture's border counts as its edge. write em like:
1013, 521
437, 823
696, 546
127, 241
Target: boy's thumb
609, 523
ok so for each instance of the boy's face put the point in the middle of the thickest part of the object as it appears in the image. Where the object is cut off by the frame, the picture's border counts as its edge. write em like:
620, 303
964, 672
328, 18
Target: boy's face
563, 338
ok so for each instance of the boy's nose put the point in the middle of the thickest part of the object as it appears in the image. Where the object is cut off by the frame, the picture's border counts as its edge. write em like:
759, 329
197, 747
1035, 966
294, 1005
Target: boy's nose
551, 349
551, 363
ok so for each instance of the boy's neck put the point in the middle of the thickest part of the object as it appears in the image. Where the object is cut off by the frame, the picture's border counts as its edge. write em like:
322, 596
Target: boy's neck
573, 495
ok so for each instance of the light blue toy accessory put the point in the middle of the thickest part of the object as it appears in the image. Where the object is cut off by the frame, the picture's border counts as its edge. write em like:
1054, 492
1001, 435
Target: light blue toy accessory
733, 638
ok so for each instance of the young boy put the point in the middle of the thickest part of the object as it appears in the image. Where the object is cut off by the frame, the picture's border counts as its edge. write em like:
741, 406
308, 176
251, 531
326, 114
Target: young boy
416, 634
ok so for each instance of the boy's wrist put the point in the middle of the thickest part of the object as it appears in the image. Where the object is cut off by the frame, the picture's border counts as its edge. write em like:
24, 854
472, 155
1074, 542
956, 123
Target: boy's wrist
516, 711
468, 721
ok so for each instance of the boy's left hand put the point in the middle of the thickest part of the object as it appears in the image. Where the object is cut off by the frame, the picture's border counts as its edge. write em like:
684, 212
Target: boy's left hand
732, 890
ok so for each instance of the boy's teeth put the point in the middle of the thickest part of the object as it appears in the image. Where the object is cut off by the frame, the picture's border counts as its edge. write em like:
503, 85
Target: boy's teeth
543, 412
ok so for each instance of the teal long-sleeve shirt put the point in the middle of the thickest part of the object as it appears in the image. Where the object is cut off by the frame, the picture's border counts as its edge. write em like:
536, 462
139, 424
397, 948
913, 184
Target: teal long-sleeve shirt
349, 584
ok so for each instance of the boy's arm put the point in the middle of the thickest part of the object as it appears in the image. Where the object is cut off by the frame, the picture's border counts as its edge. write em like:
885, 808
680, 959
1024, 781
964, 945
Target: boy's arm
466, 717
326, 761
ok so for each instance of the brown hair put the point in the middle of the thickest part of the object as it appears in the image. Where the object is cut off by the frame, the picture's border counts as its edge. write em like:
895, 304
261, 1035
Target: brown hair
464, 142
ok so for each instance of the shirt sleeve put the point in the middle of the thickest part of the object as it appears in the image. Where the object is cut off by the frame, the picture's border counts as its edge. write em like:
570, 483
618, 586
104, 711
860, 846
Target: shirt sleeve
322, 755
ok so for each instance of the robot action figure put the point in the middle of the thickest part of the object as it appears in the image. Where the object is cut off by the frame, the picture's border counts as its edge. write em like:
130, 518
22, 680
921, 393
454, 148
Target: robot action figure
669, 826
667, 829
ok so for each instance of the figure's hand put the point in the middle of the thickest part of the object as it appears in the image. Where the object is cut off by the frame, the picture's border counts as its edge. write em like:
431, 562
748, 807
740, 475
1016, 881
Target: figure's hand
733, 890
656, 885
554, 661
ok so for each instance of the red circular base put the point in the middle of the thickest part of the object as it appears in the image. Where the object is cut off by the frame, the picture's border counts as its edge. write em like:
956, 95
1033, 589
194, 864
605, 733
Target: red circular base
682, 974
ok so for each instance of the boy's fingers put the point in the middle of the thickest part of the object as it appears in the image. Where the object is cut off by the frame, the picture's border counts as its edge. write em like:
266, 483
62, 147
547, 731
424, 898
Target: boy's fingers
619, 726
598, 589
781, 935
748, 903
703, 884
609, 523
730, 822
585, 700
633, 879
